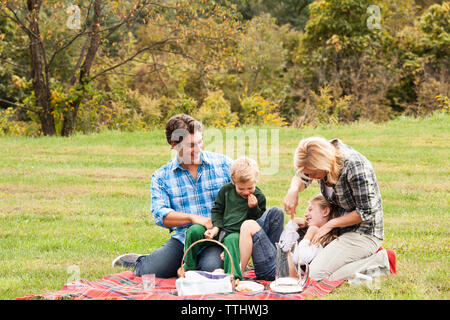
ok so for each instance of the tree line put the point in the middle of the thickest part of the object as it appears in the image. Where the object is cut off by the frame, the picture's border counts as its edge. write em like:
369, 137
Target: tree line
90, 65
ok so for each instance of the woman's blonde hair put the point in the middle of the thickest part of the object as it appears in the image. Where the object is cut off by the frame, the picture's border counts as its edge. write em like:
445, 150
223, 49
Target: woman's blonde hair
244, 169
316, 153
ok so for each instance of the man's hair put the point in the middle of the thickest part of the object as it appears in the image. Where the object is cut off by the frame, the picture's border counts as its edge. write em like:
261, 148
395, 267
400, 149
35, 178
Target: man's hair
180, 125
244, 169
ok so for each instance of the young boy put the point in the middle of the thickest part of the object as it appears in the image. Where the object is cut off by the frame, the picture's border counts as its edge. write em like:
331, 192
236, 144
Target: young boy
236, 202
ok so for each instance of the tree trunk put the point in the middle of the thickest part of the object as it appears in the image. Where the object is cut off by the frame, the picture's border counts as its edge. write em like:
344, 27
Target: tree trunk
69, 119
94, 44
40, 82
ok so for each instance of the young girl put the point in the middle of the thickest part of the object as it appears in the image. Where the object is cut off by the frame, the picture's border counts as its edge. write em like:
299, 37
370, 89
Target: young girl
319, 212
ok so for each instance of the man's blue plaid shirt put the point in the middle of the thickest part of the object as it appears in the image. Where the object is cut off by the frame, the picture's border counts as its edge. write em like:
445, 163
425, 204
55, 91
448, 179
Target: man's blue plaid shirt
174, 189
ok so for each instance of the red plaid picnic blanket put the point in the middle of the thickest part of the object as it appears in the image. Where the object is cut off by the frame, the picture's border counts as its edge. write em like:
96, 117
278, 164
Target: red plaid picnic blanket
126, 286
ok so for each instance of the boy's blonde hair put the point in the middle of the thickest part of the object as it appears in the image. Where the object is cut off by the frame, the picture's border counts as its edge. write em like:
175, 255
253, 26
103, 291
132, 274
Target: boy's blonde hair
316, 153
244, 169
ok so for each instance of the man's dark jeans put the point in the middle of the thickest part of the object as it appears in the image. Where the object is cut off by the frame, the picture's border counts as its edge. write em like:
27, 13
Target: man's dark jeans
165, 261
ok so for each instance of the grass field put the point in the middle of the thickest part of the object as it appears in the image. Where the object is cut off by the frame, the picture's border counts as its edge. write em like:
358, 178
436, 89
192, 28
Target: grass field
69, 204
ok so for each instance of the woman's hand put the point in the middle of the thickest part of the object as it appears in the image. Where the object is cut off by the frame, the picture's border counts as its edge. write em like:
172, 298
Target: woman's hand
291, 199
323, 230
291, 202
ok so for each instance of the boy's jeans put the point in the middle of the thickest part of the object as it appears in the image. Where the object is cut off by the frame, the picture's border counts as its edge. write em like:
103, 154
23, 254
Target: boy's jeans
264, 251
165, 261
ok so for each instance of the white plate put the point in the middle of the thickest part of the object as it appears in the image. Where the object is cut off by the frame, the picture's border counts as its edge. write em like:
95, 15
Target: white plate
285, 289
254, 286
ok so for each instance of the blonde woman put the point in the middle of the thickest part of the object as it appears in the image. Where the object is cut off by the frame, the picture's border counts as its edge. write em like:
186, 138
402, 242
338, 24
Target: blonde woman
347, 180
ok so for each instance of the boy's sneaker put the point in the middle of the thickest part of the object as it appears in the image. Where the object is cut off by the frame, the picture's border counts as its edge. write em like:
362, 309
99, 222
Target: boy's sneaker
391, 257
126, 260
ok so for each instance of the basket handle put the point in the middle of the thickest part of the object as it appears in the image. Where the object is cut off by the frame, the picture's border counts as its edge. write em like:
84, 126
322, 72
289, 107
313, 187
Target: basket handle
216, 242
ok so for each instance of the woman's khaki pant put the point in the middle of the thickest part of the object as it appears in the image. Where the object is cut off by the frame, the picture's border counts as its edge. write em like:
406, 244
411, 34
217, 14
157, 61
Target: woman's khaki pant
350, 253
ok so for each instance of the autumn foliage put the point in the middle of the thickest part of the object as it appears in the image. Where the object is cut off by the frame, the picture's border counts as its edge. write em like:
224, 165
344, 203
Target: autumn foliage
90, 65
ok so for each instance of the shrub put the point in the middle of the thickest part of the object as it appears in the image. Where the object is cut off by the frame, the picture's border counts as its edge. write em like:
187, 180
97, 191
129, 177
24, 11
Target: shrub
432, 95
215, 111
258, 111
326, 107
9, 125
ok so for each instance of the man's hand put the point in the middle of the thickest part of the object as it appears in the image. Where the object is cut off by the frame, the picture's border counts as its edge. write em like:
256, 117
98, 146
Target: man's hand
204, 221
252, 201
211, 233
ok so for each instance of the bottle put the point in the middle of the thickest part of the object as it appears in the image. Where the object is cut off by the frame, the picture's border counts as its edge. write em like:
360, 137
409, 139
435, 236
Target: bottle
359, 278
375, 272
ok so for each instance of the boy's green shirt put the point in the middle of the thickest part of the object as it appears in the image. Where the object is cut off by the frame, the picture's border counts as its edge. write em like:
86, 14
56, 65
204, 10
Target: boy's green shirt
230, 210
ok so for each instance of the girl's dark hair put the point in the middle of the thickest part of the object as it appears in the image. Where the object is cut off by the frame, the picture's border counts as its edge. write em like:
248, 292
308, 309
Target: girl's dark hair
178, 126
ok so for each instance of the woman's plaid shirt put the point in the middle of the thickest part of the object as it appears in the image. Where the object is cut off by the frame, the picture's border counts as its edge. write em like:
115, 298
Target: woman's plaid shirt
357, 189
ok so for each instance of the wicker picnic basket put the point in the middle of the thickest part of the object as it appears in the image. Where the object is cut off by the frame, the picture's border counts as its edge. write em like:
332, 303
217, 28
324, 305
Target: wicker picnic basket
232, 279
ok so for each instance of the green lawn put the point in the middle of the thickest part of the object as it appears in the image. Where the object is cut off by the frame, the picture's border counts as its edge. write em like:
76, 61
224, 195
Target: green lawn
81, 201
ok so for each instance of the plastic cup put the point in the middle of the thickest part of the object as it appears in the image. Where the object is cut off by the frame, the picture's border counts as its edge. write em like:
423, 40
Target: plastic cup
148, 281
